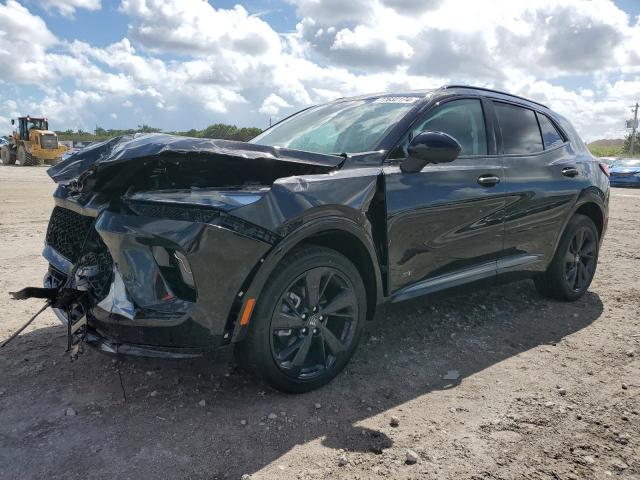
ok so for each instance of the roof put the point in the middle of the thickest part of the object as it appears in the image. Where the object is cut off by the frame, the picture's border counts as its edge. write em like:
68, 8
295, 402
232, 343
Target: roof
490, 90
427, 93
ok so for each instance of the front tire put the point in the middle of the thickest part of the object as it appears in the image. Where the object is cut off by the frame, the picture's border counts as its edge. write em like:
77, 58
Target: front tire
574, 265
25, 159
307, 322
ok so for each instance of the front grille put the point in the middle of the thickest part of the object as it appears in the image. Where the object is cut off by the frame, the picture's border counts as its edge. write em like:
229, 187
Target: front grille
48, 141
67, 232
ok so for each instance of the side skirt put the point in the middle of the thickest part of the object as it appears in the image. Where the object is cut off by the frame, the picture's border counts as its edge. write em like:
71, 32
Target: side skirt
468, 275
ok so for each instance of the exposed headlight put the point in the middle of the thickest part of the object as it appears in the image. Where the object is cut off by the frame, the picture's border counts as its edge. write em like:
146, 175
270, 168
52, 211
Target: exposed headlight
214, 207
202, 197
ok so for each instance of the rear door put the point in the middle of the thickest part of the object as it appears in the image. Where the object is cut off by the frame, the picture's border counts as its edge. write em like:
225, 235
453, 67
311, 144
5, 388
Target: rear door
541, 182
444, 224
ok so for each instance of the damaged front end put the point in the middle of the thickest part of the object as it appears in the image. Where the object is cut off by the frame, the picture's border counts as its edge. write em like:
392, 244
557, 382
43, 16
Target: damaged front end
149, 227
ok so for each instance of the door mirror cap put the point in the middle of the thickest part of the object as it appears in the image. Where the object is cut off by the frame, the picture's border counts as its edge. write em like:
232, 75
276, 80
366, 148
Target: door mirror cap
430, 147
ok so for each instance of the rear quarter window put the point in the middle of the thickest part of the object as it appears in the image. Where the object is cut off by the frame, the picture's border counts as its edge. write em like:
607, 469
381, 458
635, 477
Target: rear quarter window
519, 127
550, 134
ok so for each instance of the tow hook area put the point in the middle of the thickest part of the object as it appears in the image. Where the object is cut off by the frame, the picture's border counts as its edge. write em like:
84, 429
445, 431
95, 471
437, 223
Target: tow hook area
74, 302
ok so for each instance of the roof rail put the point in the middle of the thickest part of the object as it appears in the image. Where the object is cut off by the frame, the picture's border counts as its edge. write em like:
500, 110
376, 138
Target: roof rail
471, 87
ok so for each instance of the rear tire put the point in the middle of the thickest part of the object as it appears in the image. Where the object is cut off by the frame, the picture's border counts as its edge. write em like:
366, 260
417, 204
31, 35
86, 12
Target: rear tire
307, 321
574, 264
7, 156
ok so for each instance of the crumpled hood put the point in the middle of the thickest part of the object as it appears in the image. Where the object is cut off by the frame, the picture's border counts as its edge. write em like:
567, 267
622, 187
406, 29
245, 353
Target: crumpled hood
140, 147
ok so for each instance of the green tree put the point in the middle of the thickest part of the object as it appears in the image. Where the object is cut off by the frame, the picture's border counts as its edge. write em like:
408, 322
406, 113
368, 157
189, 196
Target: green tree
148, 129
636, 145
218, 130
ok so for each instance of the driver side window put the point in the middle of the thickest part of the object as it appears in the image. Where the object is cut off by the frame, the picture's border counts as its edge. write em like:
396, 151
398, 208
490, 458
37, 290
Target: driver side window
462, 119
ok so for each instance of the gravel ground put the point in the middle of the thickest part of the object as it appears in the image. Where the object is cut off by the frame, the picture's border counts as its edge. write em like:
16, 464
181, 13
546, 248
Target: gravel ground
497, 384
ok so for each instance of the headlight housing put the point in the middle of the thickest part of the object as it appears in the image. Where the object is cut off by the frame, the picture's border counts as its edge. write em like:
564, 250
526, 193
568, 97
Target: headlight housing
213, 207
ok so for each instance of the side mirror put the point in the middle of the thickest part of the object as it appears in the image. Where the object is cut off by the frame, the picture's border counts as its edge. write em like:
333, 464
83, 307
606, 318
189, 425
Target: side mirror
13, 122
430, 147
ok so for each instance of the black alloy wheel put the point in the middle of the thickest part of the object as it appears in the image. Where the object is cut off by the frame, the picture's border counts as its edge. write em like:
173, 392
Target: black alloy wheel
307, 320
571, 271
580, 259
314, 322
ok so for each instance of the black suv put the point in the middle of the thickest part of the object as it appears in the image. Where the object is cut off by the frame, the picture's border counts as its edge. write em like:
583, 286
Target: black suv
169, 246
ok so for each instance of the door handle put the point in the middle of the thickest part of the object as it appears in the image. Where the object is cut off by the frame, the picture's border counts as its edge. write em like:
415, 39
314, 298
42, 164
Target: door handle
488, 180
570, 171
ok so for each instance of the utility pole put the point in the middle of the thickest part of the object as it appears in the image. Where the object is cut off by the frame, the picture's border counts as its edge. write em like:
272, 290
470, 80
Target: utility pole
634, 126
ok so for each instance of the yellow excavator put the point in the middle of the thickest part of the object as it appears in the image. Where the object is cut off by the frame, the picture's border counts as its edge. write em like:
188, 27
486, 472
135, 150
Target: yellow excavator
32, 144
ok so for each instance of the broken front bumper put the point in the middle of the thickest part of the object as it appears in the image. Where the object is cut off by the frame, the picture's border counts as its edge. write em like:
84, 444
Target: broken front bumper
175, 283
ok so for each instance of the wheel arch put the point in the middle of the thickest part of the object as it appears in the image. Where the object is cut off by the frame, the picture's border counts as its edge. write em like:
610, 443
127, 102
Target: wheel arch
594, 212
339, 233
354, 249
593, 203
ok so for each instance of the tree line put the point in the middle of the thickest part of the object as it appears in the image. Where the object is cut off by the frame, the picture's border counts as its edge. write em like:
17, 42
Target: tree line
218, 130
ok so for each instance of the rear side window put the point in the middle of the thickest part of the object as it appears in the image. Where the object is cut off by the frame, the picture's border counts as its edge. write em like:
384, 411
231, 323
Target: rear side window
550, 134
463, 120
519, 127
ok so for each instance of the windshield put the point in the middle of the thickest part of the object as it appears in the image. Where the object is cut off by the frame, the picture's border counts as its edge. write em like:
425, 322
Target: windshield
38, 124
351, 126
627, 163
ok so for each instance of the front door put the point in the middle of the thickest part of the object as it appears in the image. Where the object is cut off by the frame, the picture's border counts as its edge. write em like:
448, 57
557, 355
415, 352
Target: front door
445, 223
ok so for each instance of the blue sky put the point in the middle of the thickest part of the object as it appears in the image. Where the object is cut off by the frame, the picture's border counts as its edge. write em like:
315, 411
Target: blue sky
181, 64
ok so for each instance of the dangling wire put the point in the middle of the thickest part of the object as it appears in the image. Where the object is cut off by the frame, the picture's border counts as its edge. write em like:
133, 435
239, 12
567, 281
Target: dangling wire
68, 282
46, 305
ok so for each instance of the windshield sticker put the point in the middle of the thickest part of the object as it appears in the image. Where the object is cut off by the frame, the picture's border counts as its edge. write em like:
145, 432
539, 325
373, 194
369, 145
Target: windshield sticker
396, 100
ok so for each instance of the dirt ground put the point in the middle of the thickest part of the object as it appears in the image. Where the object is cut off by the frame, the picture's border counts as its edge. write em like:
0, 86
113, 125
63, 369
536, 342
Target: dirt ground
547, 390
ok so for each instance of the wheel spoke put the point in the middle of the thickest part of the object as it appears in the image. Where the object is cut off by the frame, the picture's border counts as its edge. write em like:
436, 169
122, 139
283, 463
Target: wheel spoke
572, 275
572, 246
312, 286
341, 301
284, 321
579, 240
582, 277
589, 248
285, 353
323, 350
569, 258
325, 285
335, 345
301, 356
288, 303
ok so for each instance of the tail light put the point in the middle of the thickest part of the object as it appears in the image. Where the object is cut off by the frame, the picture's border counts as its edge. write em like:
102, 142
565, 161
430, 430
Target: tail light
605, 168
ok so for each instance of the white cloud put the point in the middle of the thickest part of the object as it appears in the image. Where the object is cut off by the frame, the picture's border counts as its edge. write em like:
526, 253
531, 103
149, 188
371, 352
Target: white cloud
335, 11
24, 39
68, 7
369, 48
272, 105
411, 7
194, 26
